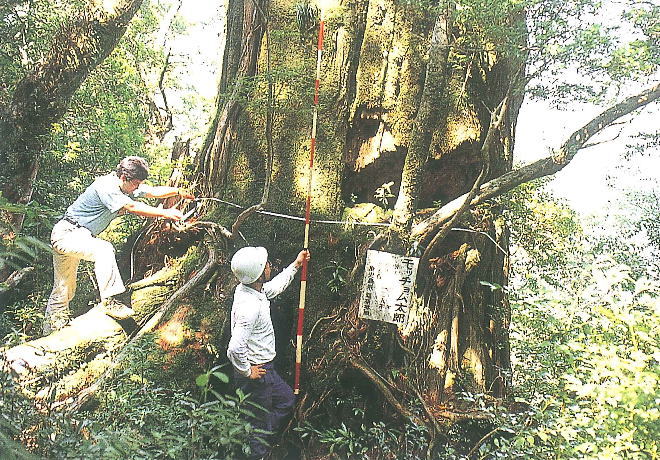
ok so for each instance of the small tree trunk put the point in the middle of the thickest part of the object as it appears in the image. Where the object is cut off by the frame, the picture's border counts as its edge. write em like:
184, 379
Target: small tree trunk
432, 107
41, 97
245, 19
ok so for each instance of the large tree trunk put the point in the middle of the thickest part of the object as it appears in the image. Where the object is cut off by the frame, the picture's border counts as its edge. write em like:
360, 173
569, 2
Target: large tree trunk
396, 105
457, 337
42, 97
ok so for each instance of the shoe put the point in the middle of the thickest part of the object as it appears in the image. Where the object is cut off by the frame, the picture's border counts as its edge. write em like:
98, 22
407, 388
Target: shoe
116, 310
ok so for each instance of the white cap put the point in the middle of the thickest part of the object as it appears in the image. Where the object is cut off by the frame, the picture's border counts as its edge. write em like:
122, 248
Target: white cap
248, 263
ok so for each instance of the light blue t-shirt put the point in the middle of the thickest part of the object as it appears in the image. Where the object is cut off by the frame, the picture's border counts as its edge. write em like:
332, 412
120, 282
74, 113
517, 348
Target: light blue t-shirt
95, 208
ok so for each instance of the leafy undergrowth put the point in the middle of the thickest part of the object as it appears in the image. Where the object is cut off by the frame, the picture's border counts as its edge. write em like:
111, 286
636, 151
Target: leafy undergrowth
587, 359
139, 416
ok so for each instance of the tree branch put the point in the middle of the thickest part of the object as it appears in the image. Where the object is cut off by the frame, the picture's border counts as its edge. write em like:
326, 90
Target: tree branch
496, 120
161, 88
457, 215
12, 281
544, 167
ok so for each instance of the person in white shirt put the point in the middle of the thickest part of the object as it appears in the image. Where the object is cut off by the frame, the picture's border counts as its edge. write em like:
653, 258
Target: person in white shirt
251, 348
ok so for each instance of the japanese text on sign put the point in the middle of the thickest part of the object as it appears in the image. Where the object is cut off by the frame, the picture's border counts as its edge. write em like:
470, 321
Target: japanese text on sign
387, 287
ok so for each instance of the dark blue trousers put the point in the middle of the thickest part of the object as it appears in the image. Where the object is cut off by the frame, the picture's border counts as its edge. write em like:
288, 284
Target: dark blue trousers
276, 398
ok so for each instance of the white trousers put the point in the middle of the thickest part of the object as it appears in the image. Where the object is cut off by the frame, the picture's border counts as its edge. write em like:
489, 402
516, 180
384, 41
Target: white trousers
71, 244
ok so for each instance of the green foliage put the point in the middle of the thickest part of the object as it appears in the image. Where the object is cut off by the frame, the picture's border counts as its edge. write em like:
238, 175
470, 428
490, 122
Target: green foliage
138, 417
19, 249
349, 430
26, 30
490, 26
584, 338
204, 382
108, 116
375, 440
337, 278
23, 319
606, 44
641, 56
587, 361
545, 233
384, 194
631, 232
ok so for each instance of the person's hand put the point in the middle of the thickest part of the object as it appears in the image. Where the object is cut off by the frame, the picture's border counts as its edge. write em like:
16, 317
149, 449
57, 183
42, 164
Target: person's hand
172, 214
257, 371
183, 193
302, 255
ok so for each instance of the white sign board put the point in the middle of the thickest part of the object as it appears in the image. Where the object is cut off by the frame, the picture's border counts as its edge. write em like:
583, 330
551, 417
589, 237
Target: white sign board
387, 287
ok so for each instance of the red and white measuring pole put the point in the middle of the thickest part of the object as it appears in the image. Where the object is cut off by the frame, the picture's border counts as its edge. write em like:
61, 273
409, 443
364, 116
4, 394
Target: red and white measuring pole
303, 275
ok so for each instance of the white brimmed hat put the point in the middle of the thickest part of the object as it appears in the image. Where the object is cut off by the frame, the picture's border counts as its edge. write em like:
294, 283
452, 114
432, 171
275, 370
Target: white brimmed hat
248, 263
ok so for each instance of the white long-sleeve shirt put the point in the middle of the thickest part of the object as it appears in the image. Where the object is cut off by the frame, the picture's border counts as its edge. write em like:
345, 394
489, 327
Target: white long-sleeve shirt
252, 335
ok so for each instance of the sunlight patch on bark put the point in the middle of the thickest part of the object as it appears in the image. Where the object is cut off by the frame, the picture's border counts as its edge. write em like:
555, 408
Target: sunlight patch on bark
366, 212
472, 362
460, 128
372, 148
438, 356
323, 181
174, 332
417, 315
472, 259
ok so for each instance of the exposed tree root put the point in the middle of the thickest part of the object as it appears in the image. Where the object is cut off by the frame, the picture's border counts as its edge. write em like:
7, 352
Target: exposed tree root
149, 325
374, 378
210, 227
242, 217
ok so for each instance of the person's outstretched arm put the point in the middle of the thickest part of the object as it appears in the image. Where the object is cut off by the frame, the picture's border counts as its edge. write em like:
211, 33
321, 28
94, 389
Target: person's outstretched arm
144, 210
277, 285
163, 191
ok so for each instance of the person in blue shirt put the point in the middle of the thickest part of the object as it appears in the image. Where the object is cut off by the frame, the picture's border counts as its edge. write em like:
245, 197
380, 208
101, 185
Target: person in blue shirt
75, 237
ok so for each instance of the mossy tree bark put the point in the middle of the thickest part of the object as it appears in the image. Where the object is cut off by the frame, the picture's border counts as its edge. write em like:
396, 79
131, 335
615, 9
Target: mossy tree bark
402, 101
432, 110
397, 103
246, 21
